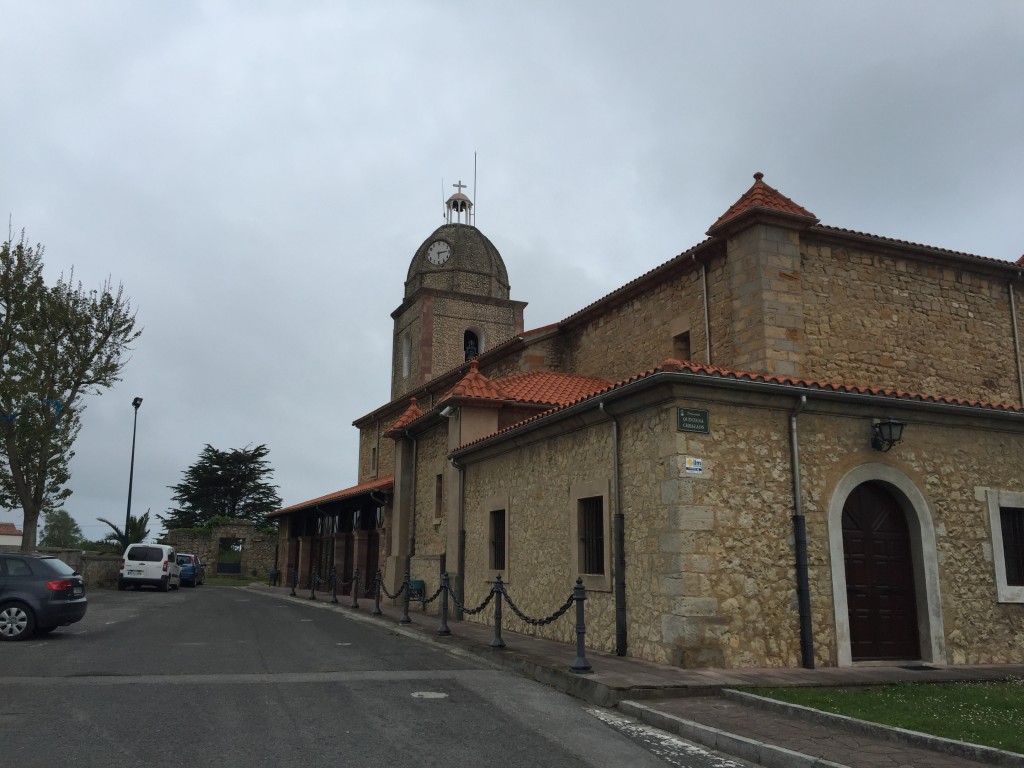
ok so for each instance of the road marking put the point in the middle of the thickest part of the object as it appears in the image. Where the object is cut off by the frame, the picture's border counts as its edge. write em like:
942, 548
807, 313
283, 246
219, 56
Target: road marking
429, 695
672, 749
258, 678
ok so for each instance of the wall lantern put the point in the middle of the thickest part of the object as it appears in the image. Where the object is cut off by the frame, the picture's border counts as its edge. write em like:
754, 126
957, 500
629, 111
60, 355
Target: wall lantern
886, 433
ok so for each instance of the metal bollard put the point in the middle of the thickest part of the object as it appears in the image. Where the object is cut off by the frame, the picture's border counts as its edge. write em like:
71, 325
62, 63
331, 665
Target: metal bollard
334, 585
355, 590
405, 600
376, 595
295, 581
580, 665
312, 585
443, 629
499, 590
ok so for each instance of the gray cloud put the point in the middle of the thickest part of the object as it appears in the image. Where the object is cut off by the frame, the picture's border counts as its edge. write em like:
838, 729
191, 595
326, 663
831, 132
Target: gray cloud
258, 175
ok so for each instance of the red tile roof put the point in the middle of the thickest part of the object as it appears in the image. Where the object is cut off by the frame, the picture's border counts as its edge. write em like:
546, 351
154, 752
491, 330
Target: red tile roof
412, 413
714, 371
550, 387
380, 484
761, 196
475, 385
9, 529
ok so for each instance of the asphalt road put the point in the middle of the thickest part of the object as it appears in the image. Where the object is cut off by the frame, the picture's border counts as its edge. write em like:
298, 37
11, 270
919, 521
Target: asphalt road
220, 677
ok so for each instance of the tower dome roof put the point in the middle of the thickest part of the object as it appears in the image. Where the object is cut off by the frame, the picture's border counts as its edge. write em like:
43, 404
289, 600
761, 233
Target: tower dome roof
471, 264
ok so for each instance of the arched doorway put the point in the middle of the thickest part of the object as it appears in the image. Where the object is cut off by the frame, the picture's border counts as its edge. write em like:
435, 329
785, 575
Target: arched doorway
913, 505
880, 593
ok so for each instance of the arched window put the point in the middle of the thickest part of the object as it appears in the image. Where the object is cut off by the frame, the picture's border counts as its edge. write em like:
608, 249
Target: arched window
470, 344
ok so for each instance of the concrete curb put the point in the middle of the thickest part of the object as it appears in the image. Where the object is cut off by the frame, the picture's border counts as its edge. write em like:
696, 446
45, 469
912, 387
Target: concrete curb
767, 755
987, 755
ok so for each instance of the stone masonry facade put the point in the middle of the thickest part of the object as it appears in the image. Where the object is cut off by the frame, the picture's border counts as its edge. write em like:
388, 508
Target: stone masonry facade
794, 339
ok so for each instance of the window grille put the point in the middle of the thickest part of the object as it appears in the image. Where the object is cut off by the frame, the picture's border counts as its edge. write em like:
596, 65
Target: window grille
1012, 519
498, 540
591, 532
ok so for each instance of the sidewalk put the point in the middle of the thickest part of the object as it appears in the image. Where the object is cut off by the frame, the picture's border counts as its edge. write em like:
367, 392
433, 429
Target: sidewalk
691, 702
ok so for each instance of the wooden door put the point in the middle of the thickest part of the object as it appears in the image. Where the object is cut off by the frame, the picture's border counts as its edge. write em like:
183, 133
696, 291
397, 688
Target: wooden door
879, 577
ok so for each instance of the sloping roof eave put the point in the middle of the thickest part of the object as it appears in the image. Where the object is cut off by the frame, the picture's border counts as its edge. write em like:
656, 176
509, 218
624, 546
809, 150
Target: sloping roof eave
380, 485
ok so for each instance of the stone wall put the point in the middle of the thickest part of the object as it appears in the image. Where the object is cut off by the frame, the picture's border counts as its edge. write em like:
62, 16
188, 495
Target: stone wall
98, 570
259, 550
372, 437
430, 530
492, 319
953, 481
885, 319
637, 334
710, 569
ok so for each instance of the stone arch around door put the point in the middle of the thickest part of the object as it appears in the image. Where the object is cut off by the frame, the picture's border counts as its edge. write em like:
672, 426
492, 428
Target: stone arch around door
922, 550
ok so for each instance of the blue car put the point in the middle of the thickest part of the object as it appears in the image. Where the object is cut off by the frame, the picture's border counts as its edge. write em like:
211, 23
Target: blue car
193, 572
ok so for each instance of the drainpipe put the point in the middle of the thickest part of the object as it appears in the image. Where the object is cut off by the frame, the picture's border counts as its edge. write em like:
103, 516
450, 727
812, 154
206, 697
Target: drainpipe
803, 588
1016, 341
412, 497
707, 320
460, 554
619, 537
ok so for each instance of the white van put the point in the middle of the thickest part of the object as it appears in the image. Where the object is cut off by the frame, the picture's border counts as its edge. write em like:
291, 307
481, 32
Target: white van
152, 564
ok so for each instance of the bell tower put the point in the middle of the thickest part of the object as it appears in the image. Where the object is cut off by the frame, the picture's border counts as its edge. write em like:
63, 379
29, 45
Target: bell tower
456, 302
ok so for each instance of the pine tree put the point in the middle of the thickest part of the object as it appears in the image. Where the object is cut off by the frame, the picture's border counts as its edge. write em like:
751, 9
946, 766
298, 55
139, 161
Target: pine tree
233, 484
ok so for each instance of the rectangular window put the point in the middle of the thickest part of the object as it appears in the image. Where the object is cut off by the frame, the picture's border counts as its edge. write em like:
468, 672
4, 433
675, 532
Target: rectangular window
373, 460
590, 527
1006, 520
1012, 524
497, 540
438, 496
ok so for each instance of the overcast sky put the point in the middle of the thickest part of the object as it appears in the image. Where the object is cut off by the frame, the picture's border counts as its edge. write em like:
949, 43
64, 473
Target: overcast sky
258, 176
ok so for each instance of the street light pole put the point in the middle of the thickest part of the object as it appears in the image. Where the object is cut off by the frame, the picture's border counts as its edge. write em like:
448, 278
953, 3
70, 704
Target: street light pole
131, 472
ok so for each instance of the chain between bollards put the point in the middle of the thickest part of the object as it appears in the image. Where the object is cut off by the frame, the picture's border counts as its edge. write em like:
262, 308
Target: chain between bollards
580, 665
499, 591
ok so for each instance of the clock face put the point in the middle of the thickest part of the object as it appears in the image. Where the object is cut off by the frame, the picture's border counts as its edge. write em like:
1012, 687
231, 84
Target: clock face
439, 252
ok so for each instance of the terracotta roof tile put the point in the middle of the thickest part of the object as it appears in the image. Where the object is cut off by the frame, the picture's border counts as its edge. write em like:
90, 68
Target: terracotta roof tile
550, 387
9, 529
762, 196
412, 413
714, 371
475, 385
380, 484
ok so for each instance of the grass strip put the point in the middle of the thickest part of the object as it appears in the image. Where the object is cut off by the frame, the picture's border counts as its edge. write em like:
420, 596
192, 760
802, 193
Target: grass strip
988, 713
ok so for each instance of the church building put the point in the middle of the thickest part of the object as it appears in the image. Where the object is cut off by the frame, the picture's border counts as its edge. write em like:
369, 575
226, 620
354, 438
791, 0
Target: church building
791, 445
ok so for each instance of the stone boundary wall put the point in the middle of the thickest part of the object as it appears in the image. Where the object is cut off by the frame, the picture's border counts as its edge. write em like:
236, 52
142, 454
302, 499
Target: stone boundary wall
98, 570
259, 549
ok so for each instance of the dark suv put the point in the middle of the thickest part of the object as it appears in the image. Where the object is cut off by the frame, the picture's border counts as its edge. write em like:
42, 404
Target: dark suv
38, 593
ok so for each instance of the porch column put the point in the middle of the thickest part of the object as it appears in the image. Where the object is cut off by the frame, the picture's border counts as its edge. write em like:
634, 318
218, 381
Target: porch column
305, 564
